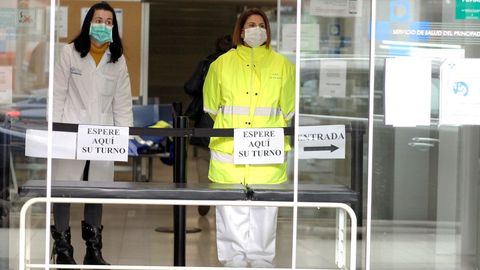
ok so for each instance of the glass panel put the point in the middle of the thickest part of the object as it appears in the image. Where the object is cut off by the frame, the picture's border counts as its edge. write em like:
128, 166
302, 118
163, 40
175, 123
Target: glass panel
131, 236
323, 239
425, 175
334, 86
286, 15
334, 78
24, 63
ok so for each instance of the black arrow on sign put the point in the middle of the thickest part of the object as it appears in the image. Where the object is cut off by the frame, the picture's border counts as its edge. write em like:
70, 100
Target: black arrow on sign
320, 148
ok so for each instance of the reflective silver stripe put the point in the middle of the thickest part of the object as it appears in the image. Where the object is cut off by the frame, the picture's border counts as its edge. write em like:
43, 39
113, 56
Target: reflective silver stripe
289, 116
209, 111
238, 110
243, 110
267, 111
221, 157
226, 158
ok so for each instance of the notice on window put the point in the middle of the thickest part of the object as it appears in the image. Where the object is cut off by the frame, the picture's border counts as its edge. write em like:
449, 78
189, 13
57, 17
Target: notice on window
321, 142
408, 87
61, 22
63, 144
333, 78
259, 146
102, 143
467, 10
8, 18
6, 84
310, 36
26, 17
460, 92
336, 8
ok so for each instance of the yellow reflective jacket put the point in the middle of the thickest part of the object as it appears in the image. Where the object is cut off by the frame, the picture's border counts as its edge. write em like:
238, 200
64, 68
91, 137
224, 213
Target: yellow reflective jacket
248, 88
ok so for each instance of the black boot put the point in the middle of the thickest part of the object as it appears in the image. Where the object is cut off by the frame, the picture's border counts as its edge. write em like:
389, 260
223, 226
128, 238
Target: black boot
62, 247
203, 210
93, 239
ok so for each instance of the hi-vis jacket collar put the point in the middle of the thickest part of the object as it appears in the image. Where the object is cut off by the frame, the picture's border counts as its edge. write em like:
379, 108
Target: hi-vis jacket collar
258, 53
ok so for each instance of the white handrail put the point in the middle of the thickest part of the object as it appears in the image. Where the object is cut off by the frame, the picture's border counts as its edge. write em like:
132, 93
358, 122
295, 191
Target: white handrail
30, 202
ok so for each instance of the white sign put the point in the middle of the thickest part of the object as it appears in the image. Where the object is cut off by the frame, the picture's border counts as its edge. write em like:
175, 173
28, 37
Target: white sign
333, 78
310, 34
118, 14
408, 90
61, 22
26, 17
8, 18
6, 85
102, 143
336, 8
63, 146
460, 92
321, 142
259, 146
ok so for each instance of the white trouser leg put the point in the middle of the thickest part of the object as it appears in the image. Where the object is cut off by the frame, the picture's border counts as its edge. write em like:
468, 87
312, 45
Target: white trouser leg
232, 235
262, 234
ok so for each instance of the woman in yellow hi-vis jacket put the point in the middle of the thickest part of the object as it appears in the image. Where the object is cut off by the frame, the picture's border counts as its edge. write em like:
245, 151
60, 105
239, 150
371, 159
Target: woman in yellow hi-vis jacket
248, 87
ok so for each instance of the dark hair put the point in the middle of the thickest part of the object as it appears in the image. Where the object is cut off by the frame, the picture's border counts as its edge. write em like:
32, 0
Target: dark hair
82, 41
223, 43
237, 31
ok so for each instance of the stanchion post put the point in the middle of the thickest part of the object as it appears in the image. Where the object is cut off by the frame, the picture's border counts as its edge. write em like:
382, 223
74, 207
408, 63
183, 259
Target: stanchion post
358, 131
5, 175
179, 176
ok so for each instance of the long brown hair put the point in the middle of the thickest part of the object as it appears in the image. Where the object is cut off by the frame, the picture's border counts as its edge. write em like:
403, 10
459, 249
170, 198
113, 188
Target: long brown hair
237, 31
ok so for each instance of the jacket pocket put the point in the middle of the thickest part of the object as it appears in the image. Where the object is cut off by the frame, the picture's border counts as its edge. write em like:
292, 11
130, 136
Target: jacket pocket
108, 85
75, 115
106, 118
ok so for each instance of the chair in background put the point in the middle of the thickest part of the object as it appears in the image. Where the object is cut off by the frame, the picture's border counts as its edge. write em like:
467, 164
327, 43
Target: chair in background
145, 116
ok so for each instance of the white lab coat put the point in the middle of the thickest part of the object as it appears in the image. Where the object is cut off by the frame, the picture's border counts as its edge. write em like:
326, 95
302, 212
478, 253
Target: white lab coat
85, 93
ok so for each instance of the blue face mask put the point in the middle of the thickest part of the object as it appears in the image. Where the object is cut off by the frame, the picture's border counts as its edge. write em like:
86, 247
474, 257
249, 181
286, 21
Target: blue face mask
101, 33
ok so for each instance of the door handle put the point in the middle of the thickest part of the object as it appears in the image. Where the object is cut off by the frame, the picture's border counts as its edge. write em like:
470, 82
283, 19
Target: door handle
421, 144
424, 139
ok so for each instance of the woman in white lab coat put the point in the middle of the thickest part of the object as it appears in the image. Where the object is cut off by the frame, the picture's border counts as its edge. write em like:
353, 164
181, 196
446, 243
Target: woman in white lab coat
91, 86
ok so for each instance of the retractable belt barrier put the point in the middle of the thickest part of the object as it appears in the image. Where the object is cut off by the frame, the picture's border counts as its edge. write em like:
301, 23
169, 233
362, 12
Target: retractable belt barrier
173, 132
338, 195
181, 132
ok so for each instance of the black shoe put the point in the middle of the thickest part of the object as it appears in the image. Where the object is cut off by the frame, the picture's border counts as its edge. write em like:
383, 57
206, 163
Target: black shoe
203, 210
93, 240
62, 248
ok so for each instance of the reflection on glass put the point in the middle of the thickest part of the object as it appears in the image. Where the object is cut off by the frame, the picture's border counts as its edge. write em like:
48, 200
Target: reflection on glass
334, 90
23, 83
334, 79
422, 174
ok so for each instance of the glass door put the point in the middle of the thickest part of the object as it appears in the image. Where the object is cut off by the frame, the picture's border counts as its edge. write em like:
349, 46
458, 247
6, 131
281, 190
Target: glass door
333, 118
24, 69
425, 152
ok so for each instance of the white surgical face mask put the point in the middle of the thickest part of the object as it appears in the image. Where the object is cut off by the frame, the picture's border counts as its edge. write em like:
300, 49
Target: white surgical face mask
101, 32
255, 36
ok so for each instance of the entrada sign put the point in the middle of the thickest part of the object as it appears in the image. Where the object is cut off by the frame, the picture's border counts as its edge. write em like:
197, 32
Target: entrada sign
321, 142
